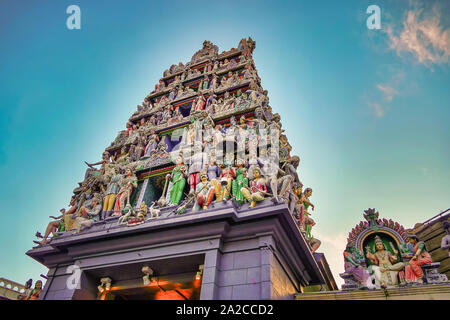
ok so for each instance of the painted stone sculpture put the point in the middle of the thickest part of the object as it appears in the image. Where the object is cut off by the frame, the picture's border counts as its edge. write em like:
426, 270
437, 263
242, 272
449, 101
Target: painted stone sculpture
384, 264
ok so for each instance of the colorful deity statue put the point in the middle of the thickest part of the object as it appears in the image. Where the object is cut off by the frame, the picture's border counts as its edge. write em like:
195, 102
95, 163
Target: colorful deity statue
178, 179
173, 94
204, 193
214, 82
211, 102
227, 175
127, 183
299, 207
213, 176
153, 141
111, 191
142, 212
34, 294
308, 222
53, 227
199, 104
240, 182
196, 161
258, 187
85, 217
355, 264
413, 270
204, 84
384, 264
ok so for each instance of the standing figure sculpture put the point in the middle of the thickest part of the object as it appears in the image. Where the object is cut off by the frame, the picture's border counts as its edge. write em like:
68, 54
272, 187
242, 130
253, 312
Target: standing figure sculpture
111, 191
384, 264
197, 159
240, 182
413, 270
126, 184
178, 178
308, 222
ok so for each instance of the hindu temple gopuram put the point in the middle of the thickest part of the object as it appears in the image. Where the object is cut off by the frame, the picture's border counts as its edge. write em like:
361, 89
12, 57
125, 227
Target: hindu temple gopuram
197, 198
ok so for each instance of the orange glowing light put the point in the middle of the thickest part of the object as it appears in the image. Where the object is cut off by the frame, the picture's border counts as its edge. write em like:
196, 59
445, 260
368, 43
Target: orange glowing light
198, 277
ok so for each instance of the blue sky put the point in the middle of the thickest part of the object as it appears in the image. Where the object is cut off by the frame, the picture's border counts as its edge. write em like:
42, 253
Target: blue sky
366, 110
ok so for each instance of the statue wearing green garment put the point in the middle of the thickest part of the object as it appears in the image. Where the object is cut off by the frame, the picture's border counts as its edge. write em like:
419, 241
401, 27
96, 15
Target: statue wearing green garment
178, 178
240, 181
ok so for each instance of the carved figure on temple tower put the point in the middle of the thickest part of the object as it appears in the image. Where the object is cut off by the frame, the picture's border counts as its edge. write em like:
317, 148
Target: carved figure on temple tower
240, 182
52, 227
178, 179
142, 212
258, 188
111, 191
127, 183
173, 94
309, 223
214, 82
153, 141
384, 264
354, 264
34, 294
228, 101
197, 159
413, 270
204, 84
127, 213
204, 192
87, 214
199, 103
227, 175
211, 102
123, 156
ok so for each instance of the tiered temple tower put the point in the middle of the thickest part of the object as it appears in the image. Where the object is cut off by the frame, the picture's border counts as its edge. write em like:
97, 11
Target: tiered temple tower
198, 198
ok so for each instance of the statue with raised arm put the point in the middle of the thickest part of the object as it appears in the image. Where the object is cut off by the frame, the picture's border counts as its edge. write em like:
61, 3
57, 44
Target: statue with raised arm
52, 227
384, 264
354, 264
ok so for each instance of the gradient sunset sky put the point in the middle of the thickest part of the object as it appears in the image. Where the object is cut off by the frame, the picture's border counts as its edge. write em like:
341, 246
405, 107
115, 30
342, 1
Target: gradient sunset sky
366, 110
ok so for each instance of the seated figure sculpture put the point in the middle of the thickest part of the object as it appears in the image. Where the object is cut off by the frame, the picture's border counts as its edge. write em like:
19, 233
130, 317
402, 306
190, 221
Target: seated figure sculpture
384, 264
413, 270
354, 265
87, 215
258, 187
204, 193
52, 227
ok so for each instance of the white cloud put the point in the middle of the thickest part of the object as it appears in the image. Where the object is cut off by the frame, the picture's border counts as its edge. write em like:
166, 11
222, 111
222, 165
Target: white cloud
422, 35
388, 92
377, 109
